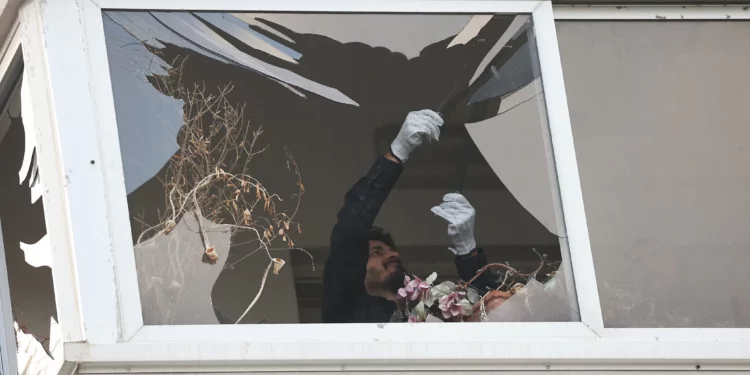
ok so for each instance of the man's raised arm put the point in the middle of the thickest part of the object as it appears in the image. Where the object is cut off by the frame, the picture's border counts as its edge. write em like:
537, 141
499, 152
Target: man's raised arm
459, 214
344, 274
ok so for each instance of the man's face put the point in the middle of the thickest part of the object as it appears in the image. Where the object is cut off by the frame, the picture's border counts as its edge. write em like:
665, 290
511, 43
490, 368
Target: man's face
385, 273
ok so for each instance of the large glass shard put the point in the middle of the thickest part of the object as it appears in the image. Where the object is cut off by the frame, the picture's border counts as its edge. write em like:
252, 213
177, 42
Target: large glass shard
23, 238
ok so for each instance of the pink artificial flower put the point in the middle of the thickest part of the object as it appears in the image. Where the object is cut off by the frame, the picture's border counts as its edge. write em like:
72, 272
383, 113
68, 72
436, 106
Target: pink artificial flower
407, 290
413, 319
413, 289
449, 304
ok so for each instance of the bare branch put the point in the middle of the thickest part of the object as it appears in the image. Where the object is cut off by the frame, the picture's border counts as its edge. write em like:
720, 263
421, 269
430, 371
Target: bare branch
210, 176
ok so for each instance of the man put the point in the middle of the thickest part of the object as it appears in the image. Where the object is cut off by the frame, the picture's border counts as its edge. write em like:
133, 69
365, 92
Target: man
363, 272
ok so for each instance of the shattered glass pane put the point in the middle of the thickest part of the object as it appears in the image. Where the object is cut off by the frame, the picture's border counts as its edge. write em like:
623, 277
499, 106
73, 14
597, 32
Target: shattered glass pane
659, 114
241, 134
23, 237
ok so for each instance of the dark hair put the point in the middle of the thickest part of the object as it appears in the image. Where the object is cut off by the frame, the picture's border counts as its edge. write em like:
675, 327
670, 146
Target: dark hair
378, 234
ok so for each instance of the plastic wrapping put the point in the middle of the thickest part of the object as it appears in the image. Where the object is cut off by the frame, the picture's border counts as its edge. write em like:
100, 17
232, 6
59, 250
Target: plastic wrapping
536, 302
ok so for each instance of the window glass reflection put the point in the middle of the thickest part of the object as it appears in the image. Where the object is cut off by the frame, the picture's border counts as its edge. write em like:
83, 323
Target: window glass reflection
663, 162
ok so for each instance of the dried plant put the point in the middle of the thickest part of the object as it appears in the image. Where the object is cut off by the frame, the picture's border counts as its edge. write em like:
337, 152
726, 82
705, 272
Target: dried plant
512, 278
209, 176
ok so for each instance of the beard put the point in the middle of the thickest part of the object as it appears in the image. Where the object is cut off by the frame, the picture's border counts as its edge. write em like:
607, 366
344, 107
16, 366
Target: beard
379, 284
395, 279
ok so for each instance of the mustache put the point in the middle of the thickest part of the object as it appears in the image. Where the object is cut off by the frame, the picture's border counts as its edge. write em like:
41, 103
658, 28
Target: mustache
396, 262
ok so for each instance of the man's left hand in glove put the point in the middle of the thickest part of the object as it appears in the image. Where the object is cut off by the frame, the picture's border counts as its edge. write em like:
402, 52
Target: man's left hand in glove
459, 214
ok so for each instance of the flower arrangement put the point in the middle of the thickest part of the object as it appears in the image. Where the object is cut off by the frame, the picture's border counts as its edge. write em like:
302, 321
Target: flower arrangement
446, 300
424, 301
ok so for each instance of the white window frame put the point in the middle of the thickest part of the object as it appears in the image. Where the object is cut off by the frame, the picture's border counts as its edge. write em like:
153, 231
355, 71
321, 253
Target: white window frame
74, 114
8, 346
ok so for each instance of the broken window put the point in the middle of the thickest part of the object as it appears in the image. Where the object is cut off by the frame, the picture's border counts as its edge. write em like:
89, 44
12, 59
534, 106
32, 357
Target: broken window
241, 133
660, 125
26, 248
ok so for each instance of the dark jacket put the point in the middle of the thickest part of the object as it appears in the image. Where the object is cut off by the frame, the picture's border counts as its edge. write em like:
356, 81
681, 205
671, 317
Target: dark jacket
344, 297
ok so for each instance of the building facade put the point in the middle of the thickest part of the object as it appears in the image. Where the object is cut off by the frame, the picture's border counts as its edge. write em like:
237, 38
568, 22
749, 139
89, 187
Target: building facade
192, 186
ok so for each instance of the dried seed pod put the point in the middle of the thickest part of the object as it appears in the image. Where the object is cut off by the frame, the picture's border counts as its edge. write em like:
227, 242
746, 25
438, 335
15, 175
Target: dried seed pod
210, 256
277, 264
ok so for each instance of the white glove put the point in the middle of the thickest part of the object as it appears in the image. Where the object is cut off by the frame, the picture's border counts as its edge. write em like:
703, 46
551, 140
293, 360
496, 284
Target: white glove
459, 214
417, 127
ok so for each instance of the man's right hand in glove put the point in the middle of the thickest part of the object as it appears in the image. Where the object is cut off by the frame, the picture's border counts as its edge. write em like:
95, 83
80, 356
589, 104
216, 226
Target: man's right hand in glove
417, 127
